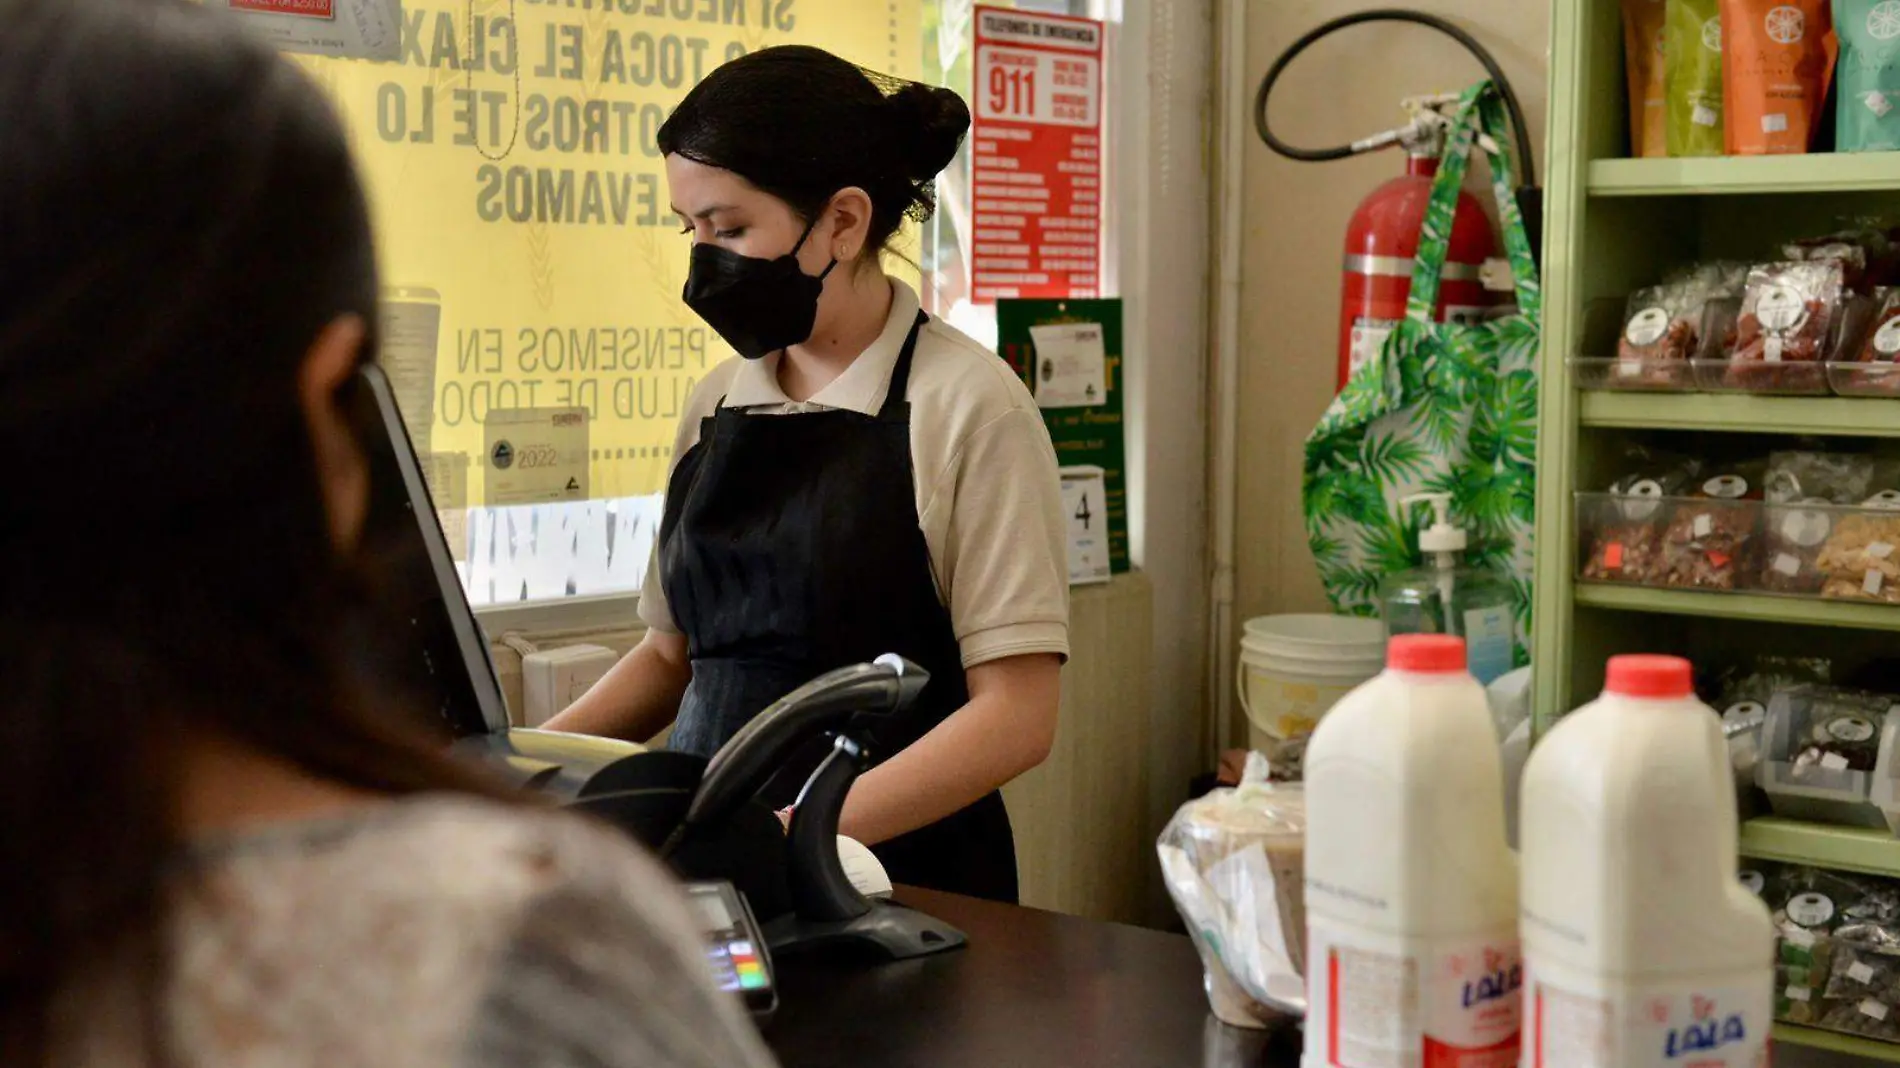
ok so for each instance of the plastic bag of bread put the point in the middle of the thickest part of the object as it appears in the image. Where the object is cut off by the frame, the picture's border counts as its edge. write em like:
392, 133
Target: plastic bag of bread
1234, 862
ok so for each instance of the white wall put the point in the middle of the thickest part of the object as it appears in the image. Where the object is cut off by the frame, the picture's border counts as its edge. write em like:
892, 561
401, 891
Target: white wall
1160, 116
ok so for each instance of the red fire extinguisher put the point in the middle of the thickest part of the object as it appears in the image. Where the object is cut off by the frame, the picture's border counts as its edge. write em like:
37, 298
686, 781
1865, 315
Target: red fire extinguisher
1381, 242
1382, 238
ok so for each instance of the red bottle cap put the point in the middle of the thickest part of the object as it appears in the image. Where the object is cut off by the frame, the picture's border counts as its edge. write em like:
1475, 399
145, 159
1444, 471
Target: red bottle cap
1646, 675
1426, 654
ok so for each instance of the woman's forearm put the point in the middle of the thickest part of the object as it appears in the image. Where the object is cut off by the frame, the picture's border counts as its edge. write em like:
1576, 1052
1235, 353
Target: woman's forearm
1006, 729
638, 697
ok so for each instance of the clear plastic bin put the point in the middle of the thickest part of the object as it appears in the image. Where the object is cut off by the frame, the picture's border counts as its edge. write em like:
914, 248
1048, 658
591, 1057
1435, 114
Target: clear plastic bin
1830, 757
1596, 367
1715, 372
1837, 552
1699, 543
1637, 376
1786, 379
1864, 379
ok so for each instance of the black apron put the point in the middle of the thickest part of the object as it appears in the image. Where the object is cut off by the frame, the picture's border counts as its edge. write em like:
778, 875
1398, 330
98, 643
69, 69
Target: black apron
790, 546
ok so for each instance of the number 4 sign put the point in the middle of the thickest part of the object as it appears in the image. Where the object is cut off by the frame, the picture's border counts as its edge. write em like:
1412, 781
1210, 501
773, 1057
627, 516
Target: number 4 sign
1085, 499
1037, 174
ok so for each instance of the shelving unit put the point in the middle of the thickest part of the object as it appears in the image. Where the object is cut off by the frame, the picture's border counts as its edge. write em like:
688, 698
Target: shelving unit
1834, 1042
1614, 224
1857, 849
1755, 608
1825, 173
1740, 413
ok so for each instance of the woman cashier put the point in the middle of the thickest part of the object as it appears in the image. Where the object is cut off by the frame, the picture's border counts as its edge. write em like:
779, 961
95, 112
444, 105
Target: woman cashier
863, 480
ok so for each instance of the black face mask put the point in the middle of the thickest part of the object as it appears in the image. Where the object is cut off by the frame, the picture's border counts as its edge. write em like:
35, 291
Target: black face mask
759, 306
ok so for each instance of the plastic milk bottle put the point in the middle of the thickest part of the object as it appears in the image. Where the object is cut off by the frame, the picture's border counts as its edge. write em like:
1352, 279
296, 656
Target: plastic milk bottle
1411, 891
1642, 947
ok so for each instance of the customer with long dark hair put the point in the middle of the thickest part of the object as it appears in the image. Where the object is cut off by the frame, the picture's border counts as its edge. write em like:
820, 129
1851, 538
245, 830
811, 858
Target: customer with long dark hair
218, 846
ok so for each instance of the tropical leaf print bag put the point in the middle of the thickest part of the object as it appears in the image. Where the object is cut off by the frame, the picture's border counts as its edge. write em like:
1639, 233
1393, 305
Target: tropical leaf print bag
1442, 407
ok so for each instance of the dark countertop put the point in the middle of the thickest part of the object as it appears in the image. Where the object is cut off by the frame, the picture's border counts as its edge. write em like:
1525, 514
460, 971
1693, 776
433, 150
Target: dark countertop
1033, 990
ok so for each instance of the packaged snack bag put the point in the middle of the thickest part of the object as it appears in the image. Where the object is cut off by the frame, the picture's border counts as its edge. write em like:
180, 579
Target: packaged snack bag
1787, 318
1861, 560
1643, 59
1797, 532
1777, 61
1692, 83
1623, 541
1710, 542
1881, 341
1867, 108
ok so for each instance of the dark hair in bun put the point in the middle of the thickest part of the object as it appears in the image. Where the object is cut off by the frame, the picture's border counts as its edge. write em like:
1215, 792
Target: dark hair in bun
801, 124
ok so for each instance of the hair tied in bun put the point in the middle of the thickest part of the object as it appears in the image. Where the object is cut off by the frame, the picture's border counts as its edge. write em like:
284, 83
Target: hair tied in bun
930, 121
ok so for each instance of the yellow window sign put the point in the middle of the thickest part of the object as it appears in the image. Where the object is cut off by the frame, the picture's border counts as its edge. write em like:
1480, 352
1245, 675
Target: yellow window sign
521, 208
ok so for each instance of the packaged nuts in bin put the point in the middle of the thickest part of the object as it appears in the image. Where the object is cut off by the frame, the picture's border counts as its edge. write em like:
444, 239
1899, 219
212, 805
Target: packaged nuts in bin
1711, 540
1624, 529
1868, 361
1861, 560
1801, 487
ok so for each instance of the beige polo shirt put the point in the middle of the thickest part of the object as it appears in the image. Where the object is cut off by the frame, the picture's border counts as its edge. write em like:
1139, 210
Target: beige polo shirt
988, 497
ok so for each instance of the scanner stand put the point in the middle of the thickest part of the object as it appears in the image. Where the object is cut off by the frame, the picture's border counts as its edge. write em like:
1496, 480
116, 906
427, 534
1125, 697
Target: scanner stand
827, 910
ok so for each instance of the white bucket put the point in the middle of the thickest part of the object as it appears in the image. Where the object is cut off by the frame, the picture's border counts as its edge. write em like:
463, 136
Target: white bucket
1292, 669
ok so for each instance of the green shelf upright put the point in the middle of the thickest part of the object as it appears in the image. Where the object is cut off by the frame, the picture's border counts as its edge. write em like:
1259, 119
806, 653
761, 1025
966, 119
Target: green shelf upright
1613, 224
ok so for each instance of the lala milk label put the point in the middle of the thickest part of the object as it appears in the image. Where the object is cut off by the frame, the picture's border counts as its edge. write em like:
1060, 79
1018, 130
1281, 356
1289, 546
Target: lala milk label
1381, 1001
1714, 1027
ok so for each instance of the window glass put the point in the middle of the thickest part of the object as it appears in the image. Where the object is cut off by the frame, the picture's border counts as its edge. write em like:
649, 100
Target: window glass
949, 36
532, 321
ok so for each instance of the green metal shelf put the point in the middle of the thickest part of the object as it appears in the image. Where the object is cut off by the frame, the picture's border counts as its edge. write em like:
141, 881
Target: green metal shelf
1717, 175
1834, 1042
1860, 849
1742, 413
1761, 608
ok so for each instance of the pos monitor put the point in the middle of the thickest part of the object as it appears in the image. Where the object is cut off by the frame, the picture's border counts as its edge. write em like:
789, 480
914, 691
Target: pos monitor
442, 656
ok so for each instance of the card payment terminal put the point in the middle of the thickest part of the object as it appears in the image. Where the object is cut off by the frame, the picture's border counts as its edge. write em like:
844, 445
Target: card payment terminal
734, 944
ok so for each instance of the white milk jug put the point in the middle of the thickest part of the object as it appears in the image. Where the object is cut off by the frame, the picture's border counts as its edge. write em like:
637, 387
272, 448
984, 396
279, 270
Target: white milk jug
1642, 947
1411, 891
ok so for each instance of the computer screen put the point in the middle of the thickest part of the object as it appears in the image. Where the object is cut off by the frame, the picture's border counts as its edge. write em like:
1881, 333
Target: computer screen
444, 660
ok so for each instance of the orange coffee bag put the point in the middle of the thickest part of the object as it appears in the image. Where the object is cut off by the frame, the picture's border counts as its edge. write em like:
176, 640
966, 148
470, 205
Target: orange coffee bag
1643, 60
1777, 61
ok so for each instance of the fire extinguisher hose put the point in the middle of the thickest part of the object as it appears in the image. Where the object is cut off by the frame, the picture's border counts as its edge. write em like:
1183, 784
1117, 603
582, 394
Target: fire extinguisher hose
1529, 196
